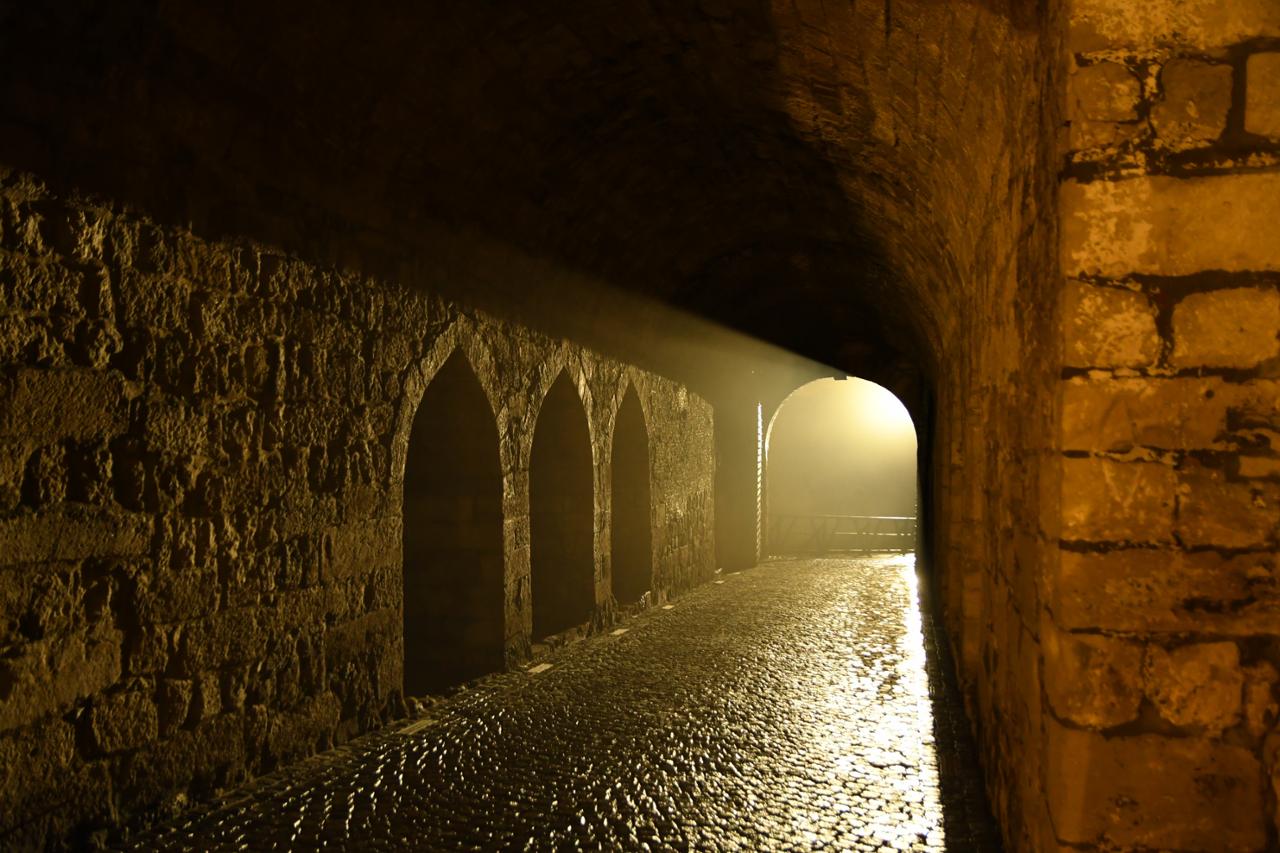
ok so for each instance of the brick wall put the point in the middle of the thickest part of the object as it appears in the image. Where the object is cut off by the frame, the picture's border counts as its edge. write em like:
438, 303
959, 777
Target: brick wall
1161, 618
202, 448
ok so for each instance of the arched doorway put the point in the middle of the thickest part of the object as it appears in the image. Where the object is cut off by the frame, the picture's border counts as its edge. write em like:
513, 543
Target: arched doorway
632, 542
840, 471
561, 512
453, 554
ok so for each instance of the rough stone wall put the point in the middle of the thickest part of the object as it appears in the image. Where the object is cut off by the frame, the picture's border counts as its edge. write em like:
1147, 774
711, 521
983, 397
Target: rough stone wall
1161, 624
990, 428
201, 453
939, 120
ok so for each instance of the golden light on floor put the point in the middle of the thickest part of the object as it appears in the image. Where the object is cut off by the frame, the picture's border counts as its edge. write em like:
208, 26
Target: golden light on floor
876, 733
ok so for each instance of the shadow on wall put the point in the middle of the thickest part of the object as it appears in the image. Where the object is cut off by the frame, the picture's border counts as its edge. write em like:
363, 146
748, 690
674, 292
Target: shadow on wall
453, 547
648, 146
561, 514
632, 542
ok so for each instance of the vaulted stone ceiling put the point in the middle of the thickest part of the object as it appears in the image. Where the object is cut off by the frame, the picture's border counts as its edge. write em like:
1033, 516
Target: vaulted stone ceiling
824, 175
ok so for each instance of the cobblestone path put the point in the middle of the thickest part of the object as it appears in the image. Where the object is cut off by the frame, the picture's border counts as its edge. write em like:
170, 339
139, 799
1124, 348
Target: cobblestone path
782, 708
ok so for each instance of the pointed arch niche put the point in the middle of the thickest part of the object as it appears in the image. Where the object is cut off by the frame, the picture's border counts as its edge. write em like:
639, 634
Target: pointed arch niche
632, 535
561, 512
453, 552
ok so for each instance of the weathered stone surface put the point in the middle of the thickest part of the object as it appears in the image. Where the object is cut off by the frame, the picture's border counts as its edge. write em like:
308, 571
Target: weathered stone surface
1197, 98
1238, 327
206, 698
1259, 467
1105, 91
1109, 501
1121, 414
1262, 97
1260, 706
1213, 510
1170, 226
36, 762
1091, 680
173, 704
1147, 590
49, 675
1087, 134
1148, 27
1108, 327
1198, 685
364, 545
73, 533
121, 721
38, 406
1152, 792
200, 536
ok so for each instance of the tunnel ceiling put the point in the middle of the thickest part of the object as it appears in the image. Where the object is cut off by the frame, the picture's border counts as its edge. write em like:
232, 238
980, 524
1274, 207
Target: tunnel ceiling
792, 171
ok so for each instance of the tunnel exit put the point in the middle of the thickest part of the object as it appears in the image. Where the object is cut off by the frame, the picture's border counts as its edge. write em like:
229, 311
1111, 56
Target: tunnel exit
839, 471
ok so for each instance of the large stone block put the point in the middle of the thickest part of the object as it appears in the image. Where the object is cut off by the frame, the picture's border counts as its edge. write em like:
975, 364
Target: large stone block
49, 675
1121, 414
1216, 511
39, 286
229, 636
1197, 98
37, 762
170, 596
1105, 91
1255, 410
1087, 134
1237, 327
199, 759
364, 545
1262, 98
1170, 226
73, 533
1092, 680
40, 406
1109, 501
1152, 792
1145, 590
1199, 685
121, 721
1260, 706
1146, 28
1259, 467
1108, 327
352, 641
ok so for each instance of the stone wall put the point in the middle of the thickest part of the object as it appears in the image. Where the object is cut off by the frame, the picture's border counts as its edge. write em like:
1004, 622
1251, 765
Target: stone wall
1162, 617
202, 447
988, 419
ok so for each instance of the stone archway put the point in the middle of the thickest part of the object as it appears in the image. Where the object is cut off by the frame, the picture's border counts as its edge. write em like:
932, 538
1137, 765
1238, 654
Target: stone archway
561, 510
632, 535
453, 547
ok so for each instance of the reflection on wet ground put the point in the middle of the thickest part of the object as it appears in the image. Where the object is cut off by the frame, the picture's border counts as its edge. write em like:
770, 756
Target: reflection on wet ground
787, 708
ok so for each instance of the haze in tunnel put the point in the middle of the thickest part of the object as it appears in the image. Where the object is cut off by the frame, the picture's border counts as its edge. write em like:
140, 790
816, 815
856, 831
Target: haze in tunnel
838, 448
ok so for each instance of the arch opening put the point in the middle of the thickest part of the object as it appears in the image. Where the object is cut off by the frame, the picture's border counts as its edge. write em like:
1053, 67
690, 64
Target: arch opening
631, 552
561, 514
453, 550
840, 471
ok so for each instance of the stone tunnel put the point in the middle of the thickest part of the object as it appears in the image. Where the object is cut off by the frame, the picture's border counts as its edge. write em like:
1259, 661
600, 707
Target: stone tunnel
296, 295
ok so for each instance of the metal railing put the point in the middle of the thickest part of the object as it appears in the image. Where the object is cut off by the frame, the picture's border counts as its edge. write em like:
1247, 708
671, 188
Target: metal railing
827, 534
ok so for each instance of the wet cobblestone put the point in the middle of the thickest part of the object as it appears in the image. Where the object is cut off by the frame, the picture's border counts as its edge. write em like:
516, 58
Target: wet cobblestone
786, 708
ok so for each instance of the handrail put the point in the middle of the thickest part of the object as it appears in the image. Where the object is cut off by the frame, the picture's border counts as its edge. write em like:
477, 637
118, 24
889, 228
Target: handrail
821, 534
811, 515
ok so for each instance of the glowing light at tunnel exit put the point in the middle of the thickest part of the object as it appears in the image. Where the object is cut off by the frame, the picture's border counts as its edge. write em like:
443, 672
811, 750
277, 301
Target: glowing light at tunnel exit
875, 410
840, 471
863, 408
